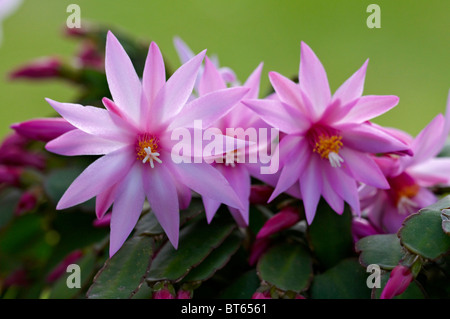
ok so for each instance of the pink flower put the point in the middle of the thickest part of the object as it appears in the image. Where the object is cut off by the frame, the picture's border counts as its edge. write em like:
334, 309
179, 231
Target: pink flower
43, 129
134, 135
409, 178
233, 165
329, 138
398, 282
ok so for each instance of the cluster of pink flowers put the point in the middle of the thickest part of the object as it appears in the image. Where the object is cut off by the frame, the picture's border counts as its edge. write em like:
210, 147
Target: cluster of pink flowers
328, 147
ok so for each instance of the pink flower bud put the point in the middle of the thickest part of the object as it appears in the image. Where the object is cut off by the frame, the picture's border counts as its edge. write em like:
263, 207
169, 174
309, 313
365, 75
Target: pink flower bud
184, 294
17, 278
38, 69
61, 268
20, 157
262, 295
298, 296
10, 175
286, 218
91, 58
45, 129
163, 293
259, 247
26, 203
398, 282
361, 228
260, 194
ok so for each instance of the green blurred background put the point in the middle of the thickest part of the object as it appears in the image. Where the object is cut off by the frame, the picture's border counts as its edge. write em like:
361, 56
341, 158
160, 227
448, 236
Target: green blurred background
409, 54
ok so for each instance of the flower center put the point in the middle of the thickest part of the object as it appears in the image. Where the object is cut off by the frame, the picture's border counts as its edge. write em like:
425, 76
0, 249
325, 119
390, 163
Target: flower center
327, 144
231, 158
147, 149
402, 192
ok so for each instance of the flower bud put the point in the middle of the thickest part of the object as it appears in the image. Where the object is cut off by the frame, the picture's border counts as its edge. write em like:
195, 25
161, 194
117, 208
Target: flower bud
260, 194
44, 129
27, 202
398, 282
38, 69
286, 218
10, 175
258, 248
361, 228
262, 295
163, 293
184, 294
61, 268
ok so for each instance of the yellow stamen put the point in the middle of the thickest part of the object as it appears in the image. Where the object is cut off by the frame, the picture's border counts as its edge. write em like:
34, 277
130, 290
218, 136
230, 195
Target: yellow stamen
147, 150
327, 145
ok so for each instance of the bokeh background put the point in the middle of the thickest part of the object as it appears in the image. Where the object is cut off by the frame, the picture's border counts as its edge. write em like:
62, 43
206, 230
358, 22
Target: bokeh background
409, 54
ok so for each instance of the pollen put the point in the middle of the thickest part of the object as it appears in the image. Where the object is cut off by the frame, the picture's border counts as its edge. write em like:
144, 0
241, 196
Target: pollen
327, 145
147, 150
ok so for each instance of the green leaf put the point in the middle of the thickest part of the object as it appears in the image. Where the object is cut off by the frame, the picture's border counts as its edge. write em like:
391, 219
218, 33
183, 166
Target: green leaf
216, 260
346, 280
330, 235
197, 241
287, 266
123, 274
60, 289
383, 250
148, 224
244, 287
422, 234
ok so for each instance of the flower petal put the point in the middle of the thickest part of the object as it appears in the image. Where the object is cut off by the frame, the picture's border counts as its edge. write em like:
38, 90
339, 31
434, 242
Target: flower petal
289, 92
345, 186
211, 207
153, 79
363, 168
370, 106
211, 79
207, 181
123, 82
429, 142
163, 198
353, 87
313, 79
100, 175
208, 108
293, 167
175, 93
77, 142
279, 115
311, 188
239, 179
104, 200
92, 120
127, 208
431, 172
368, 138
